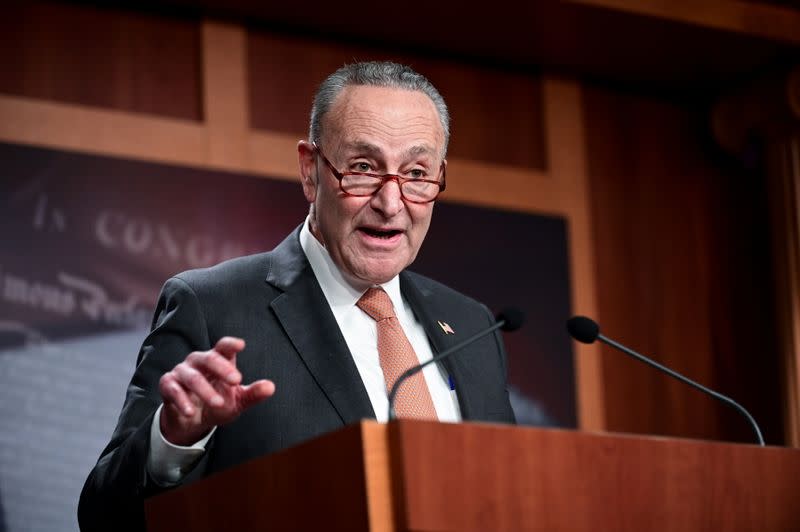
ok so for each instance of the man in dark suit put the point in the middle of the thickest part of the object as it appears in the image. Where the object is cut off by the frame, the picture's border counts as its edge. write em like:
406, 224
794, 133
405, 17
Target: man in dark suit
309, 312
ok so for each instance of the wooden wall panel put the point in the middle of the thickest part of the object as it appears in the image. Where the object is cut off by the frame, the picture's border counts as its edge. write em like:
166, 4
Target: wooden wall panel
106, 58
496, 115
683, 272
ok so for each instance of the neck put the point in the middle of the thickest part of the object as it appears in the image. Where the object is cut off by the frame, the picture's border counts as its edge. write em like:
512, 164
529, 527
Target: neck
360, 285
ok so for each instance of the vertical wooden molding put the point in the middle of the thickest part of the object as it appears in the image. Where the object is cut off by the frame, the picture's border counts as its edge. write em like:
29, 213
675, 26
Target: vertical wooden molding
793, 354
786, 219
225, 103
377, 466
769, 108
566, 156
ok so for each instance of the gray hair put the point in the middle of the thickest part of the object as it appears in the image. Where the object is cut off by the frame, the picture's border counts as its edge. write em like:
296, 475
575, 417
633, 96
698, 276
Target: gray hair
376, 74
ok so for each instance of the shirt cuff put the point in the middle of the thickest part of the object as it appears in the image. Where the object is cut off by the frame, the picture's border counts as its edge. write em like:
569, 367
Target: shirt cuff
167, 463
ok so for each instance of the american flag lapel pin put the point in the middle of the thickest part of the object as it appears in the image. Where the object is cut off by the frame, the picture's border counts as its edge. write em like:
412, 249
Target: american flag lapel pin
446, 328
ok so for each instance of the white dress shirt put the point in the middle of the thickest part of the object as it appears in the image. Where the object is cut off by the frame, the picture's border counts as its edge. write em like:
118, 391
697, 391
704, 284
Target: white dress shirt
168, 463
361, 333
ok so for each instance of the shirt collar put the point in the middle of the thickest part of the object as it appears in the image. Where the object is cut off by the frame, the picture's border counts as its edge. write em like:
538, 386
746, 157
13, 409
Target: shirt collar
339, 292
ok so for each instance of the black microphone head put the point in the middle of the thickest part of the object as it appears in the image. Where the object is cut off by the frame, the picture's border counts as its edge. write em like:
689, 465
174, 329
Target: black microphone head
583, 329
513, 318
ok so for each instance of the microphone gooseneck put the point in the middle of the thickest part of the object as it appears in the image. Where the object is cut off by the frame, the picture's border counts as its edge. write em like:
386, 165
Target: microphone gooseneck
586, 330
509, 319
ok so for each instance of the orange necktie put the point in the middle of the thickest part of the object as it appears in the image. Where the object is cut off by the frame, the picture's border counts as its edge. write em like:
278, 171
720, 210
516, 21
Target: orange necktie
413, 400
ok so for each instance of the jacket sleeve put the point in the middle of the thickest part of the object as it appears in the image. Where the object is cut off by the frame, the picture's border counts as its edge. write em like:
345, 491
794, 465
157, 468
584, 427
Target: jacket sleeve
113, 494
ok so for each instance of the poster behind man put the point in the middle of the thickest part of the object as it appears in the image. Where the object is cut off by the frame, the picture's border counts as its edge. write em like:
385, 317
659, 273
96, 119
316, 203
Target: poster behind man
87, 243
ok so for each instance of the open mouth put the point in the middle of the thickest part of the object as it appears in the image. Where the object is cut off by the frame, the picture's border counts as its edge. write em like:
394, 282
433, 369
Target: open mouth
378, 233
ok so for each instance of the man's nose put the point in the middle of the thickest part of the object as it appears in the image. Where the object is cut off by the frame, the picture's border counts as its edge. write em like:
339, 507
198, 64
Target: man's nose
388, 199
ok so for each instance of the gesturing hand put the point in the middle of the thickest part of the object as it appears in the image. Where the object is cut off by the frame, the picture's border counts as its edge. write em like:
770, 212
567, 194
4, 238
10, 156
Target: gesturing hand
204, 391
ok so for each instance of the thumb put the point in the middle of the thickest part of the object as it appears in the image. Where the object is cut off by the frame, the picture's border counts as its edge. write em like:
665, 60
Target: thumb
256, 392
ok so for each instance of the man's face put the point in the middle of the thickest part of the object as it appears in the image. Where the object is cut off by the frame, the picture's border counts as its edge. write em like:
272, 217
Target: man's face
377, 130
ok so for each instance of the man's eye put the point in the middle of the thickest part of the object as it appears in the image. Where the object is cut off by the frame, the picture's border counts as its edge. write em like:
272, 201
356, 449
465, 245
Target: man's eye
417, 173
362, 167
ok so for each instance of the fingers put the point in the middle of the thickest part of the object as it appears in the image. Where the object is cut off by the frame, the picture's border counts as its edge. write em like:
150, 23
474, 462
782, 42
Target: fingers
228, 346
179, 429
205, 390
192, 381
173, 393
215, 366
195, 382
196, 375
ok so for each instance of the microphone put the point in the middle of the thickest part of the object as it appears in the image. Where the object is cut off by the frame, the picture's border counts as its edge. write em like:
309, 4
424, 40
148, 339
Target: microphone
586, 330
509, 319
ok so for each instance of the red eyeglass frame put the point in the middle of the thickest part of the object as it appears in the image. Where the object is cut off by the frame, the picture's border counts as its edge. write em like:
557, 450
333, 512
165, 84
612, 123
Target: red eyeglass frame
442, 183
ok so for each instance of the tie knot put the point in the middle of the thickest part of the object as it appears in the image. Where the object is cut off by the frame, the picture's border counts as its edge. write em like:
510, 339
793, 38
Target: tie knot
377, 304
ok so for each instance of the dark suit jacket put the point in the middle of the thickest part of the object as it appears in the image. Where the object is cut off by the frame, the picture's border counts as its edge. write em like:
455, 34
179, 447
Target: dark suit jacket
274, 302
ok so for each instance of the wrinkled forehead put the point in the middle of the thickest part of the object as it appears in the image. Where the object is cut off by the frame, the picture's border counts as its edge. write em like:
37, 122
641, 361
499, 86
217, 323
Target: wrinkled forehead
362, 146
368, 117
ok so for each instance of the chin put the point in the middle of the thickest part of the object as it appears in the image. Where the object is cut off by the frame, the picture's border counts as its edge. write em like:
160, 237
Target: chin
380, 275
379, 278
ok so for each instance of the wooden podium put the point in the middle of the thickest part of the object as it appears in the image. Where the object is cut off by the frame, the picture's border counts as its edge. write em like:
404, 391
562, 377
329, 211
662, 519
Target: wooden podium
411, 475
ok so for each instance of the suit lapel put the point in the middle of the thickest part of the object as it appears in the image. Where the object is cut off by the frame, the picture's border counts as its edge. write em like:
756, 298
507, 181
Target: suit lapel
310, 325
428, 312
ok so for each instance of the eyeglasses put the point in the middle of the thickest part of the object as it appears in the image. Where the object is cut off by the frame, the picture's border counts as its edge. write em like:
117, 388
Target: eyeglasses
413, 189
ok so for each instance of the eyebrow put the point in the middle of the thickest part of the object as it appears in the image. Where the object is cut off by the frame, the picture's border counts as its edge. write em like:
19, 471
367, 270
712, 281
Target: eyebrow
374, 150
367, 147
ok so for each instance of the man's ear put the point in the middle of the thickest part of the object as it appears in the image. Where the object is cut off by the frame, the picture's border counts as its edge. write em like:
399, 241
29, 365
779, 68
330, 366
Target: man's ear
306, 157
